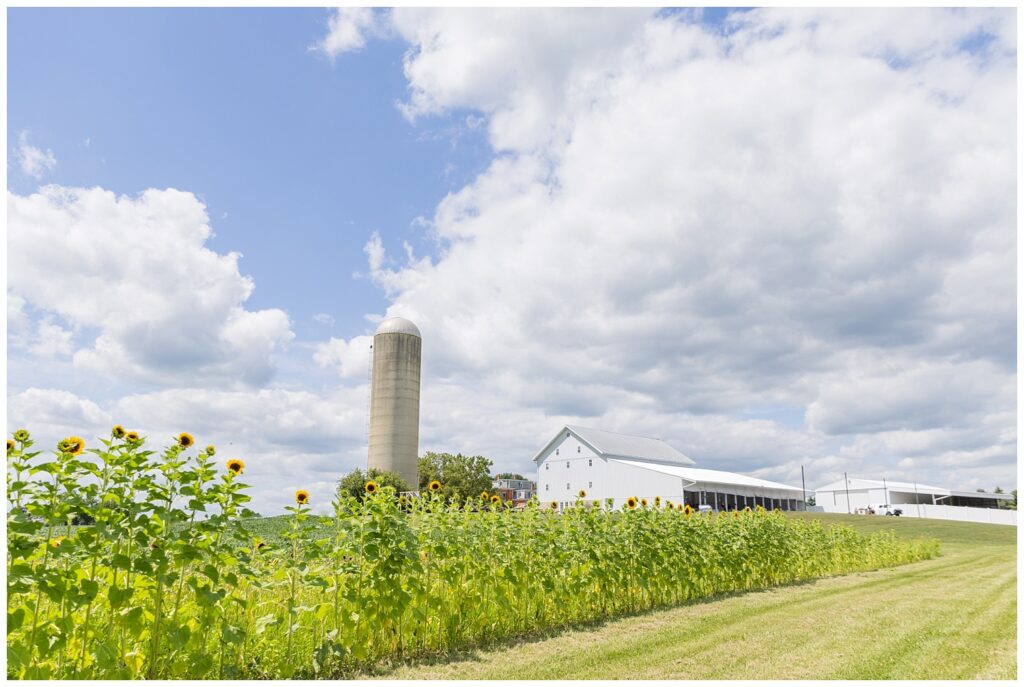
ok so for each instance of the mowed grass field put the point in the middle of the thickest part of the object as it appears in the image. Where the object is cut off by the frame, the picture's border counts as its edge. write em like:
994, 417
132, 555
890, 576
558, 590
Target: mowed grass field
954, 617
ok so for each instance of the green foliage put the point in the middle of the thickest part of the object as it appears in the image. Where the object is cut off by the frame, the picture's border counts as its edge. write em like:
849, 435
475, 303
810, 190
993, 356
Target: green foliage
460, 476
354, 482
175, 581
508, 475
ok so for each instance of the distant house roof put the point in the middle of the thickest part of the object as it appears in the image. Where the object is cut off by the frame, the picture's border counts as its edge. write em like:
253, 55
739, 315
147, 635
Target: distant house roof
704, 476
856, 483
613, 445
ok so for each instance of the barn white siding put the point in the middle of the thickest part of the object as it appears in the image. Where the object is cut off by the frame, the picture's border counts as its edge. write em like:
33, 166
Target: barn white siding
565, 467
614, 466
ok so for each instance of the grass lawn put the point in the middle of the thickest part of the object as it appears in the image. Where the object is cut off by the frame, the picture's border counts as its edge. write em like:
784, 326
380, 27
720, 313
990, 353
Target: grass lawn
954, 617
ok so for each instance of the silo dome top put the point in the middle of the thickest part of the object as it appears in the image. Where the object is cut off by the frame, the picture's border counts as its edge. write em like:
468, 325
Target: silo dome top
397, 325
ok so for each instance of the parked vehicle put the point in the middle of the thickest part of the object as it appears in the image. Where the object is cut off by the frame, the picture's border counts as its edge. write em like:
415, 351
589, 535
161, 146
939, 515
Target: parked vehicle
886, 509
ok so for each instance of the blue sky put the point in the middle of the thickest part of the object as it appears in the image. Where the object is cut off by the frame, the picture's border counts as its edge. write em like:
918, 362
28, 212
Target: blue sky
777, 238
297, 157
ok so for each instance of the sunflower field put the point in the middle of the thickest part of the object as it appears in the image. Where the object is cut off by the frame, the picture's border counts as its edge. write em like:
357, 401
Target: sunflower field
128, 563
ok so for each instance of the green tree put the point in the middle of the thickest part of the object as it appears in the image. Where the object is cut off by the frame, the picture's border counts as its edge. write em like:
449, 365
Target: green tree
459, 475
354, 482
508, 475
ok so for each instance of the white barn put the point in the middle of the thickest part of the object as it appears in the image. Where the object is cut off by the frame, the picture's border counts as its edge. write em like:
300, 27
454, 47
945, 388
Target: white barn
607, 465
914, 500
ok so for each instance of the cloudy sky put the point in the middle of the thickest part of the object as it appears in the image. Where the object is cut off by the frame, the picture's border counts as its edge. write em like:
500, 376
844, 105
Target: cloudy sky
775, 238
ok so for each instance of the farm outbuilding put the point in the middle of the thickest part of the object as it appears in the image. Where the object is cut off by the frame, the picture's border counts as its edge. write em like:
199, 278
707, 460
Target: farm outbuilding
914, 500
607, 465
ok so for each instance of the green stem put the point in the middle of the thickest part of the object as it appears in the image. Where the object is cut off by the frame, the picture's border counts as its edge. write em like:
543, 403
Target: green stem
39, 594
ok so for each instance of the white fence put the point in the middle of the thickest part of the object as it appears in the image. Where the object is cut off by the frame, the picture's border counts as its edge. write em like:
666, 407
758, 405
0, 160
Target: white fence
996, 516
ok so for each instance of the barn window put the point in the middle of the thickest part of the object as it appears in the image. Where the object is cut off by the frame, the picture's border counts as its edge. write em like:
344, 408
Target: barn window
556, 451
566, 463
566, 485
590, 462
579, 449
547, 487
547, 466
590, 485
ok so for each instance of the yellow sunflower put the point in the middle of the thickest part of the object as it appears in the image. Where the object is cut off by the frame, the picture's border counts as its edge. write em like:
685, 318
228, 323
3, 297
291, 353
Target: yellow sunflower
631, 503
72, 445
747, 509
117, 432
56, 542
236, 466
211, 450
554, 505
185, 440
668, 504
657, 501
301, 496
434, 486
688, 510
496, 499
260, 544
10, 445
370, 487
132, 437
21, 435
582, 494
483, 495
643, 502
679, 507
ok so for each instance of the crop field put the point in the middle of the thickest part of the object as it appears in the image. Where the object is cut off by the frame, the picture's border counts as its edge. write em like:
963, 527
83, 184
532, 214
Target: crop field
952, 617
174, 578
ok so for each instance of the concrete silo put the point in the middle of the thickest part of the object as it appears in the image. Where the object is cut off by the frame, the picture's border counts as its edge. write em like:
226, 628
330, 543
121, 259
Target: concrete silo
395, 398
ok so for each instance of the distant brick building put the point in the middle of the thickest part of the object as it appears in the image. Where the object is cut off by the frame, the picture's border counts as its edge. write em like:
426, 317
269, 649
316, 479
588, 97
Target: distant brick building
518, 490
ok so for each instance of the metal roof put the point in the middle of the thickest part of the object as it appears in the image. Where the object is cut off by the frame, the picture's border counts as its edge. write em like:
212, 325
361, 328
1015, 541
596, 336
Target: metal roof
704, 476
397, 325
856, 483
613, 445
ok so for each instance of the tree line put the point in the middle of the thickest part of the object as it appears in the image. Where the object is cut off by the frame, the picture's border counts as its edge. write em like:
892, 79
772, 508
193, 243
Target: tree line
460, 476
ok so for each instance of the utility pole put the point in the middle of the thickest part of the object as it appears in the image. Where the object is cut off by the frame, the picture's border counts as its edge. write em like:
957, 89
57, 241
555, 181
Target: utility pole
847, 481
803, 485
917, 500
885, 495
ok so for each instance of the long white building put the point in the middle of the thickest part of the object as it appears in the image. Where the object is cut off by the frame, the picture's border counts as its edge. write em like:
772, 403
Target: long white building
914, 500
607, 465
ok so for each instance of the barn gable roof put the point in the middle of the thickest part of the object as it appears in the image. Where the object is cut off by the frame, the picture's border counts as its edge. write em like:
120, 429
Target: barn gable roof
613, 445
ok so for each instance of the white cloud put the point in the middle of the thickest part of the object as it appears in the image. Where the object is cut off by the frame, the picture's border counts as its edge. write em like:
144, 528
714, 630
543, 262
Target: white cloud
52, 340
526, 69
52, 414
323, 318
348, 29
808, 210
166, 308
350, 357
35, 162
